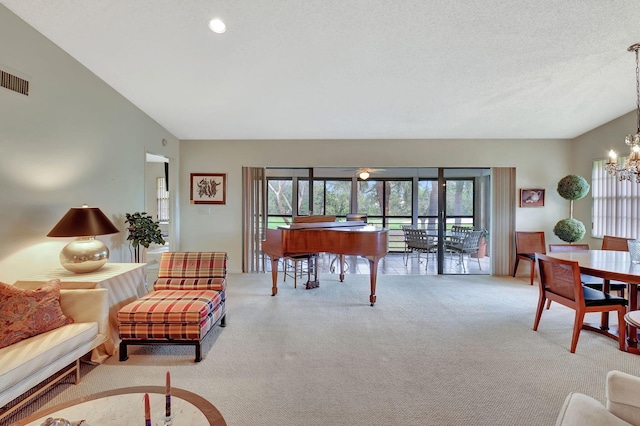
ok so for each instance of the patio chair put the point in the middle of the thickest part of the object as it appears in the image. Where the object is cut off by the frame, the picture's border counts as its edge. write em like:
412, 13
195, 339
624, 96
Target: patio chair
416, 240
468, 245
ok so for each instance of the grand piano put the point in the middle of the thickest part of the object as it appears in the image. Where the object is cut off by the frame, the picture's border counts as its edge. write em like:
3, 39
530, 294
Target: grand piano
341, 238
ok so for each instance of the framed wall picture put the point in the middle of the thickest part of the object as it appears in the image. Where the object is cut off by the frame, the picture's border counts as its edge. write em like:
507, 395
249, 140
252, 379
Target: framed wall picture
531, 197
208, 188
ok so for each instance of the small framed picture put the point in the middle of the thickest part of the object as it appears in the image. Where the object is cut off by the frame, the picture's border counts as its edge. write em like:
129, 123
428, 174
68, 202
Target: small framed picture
208, 188
531, 197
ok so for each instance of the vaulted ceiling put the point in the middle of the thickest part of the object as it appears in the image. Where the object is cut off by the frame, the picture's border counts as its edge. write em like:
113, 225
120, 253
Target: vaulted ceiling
357, 69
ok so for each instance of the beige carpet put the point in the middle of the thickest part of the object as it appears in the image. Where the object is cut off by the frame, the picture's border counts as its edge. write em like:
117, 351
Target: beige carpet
434, 350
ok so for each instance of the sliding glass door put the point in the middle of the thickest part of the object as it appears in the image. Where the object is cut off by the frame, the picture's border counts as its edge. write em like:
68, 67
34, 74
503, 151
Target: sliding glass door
463, 205
435, 199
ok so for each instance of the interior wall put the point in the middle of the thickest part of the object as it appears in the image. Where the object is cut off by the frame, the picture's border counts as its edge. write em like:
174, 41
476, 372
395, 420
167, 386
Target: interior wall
539, 164
595, 145
73, 140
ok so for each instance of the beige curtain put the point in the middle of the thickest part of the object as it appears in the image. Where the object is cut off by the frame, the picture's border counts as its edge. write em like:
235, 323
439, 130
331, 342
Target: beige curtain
503, 216
254, 218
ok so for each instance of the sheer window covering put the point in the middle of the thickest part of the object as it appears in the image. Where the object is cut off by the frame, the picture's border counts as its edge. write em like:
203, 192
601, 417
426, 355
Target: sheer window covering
615, 204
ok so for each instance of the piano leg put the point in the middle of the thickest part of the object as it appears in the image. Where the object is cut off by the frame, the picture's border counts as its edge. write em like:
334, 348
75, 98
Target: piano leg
274, 276
373, 276
341, 260
312, 265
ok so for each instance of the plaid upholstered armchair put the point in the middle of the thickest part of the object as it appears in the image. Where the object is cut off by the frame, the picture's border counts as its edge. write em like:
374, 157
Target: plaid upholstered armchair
187, 302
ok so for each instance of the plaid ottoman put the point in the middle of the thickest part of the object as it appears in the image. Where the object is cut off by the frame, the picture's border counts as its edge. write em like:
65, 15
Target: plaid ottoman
171, 317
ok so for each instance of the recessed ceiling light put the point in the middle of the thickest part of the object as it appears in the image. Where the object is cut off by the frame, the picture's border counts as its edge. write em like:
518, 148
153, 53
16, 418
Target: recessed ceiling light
217, 26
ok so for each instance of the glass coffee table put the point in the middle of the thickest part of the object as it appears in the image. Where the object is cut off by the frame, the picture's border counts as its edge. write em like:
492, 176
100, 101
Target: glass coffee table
126, 406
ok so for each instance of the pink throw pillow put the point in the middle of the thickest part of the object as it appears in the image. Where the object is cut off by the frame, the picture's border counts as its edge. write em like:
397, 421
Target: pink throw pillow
25, 313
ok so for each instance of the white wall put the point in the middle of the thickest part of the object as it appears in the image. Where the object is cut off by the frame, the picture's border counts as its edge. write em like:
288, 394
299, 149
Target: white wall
539, 164
73, 140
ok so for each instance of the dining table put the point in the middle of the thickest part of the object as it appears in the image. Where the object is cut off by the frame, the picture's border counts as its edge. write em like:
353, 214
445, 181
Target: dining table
449, 235
610, 265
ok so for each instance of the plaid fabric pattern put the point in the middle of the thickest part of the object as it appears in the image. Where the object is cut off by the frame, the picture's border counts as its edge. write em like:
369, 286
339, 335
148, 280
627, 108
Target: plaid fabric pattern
218, 284
171, 306
189, 298
193, 265
155, 331
168, 314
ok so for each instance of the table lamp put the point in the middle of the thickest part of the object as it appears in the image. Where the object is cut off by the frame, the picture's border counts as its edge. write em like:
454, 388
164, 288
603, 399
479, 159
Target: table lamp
86, 253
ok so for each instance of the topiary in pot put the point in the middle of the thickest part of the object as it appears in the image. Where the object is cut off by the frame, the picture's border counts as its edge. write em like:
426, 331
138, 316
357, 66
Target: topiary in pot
571, 187
569, 230
143, 231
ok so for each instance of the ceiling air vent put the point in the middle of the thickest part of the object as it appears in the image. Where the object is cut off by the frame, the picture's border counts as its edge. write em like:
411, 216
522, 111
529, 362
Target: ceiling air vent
11, 82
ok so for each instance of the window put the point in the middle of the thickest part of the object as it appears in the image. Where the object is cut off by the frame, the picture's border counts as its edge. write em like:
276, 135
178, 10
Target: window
428, 203
279, 198
460, 198
330, 197
387, 202
616, 204
162, 197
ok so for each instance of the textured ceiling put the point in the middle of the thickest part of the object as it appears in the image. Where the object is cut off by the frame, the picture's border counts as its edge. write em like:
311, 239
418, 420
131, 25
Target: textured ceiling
357, 69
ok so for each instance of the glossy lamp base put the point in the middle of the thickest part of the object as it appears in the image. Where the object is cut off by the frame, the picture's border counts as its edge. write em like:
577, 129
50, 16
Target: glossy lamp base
84, 255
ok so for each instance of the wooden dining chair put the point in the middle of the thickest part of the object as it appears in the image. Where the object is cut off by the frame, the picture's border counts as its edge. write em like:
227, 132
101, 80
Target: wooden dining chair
615, 243
527, 245
609, 243
560, 282
567, 247
586, 279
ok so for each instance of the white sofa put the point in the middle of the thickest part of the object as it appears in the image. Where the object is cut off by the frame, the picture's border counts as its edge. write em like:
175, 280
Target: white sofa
622, 405
29, 362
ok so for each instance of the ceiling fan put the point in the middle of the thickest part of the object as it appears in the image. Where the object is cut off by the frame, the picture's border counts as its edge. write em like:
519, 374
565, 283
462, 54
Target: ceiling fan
364, 172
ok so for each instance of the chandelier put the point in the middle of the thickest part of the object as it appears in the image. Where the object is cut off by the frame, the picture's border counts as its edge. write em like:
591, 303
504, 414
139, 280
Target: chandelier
631, 168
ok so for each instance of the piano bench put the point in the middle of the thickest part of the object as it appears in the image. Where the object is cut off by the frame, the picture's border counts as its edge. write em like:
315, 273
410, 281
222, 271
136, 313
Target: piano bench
301, 265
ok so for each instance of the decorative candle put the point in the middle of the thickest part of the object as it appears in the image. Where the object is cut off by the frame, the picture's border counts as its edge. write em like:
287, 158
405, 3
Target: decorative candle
167, 408
147, 410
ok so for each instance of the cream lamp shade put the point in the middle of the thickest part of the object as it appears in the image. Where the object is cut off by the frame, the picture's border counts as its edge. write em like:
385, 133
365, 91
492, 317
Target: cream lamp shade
86, 253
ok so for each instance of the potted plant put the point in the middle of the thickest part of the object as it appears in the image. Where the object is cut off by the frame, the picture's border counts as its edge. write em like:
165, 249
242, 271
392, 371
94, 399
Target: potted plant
571, 188
143, 231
